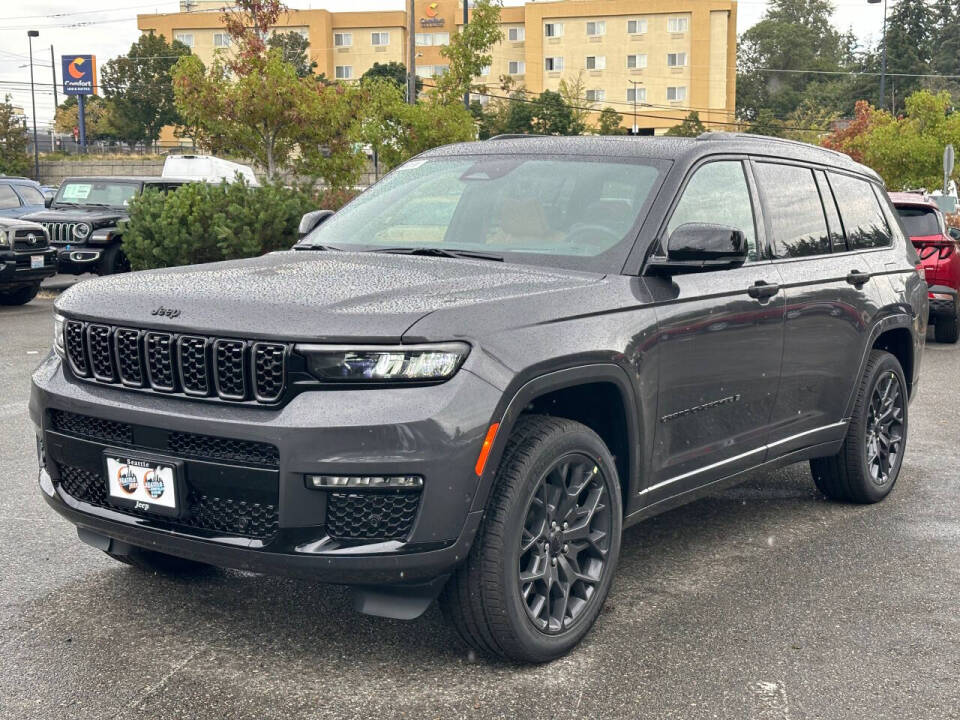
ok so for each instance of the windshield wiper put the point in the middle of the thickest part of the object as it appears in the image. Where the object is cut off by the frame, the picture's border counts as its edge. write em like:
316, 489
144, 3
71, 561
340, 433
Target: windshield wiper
312, 246
440, 252
89, 204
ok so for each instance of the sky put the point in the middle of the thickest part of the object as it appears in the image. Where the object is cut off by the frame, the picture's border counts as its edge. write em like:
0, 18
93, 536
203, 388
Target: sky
107, 28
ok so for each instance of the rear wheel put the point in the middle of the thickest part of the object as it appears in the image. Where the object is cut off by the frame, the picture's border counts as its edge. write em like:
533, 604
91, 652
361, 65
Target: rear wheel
544, 557
945, 330
156, 562
866, 468
20, 296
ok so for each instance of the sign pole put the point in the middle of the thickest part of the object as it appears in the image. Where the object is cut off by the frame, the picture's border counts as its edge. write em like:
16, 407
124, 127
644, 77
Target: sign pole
82, 122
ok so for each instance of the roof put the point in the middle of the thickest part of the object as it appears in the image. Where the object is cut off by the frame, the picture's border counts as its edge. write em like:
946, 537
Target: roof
18, 179
661, 147
912, 198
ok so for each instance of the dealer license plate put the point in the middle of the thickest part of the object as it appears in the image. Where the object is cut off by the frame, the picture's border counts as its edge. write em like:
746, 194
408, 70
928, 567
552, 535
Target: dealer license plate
36, 261
143, 484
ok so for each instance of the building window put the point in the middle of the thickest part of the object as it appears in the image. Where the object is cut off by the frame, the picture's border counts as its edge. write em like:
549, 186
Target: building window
676, 59
429, 71
343, 72
636, 27
380, 38
636, 62
221, 40
517, 34
485, 71
597, 28
430, 39
516, 67
637, 95
553, 64
596, 62
596, 95
676, 94
185, 38
342, 39
678, 24
553, 29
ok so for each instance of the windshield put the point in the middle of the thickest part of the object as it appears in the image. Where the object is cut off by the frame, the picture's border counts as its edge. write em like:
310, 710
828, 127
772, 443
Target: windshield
919, 221
112, 193
577, 212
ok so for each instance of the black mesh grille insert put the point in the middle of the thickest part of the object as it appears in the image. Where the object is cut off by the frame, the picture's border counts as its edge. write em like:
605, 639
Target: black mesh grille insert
371, 516
268, 370
217, 448
160, 360
91, 427
194, 373
129, 356
235, 516
230, 357
76, 347
101, 354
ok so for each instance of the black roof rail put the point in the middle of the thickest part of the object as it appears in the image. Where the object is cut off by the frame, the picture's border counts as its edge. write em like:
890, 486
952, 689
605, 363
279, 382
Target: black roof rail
515, 136
714, 136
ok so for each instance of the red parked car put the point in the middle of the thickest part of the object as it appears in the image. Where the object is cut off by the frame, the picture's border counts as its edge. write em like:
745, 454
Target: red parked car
939, 251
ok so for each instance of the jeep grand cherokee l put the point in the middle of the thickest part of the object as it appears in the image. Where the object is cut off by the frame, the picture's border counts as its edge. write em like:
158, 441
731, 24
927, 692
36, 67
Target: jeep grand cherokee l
473, 403
84, 217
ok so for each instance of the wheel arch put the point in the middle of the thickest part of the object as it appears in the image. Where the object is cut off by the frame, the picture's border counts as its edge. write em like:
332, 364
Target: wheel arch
582, 393
895, 334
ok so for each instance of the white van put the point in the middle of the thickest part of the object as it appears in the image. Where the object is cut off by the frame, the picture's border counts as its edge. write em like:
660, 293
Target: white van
206, 168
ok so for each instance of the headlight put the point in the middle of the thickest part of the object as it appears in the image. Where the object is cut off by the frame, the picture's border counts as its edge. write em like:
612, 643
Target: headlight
3, 238
58, 323
81, 231
404, 363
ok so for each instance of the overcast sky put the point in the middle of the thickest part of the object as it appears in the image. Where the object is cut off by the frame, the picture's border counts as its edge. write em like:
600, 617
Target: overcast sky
107, 28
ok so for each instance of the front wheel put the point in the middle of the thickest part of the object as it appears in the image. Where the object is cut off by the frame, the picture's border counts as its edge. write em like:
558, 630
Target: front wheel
544, 557
867, 466
113, 261
20, 296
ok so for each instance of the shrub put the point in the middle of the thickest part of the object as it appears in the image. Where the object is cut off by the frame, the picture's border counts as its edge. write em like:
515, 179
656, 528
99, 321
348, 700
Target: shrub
200, 222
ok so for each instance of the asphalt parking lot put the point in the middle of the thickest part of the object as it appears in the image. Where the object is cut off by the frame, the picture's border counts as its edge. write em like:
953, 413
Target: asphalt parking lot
763, 601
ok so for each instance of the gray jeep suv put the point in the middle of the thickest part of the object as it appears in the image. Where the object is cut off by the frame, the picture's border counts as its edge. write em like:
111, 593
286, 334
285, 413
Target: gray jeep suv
469, 380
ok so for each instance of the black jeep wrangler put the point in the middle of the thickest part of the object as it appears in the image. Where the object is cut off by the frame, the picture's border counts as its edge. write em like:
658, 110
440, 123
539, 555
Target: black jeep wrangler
470, 379
83, 220
26, 258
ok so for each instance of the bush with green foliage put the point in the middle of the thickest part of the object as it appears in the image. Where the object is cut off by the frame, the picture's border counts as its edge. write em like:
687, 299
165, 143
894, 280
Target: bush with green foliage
200, 223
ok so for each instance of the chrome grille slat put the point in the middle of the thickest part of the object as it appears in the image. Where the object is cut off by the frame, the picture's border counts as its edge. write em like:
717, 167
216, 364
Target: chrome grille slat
60, 232
193, 365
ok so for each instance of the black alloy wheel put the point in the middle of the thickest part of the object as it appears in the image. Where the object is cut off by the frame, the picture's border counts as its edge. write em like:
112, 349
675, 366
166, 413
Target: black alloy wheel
884, 444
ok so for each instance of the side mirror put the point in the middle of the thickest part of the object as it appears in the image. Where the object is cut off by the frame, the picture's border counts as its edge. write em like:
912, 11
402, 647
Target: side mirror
954, 233
48, 201
696, 247
311, 221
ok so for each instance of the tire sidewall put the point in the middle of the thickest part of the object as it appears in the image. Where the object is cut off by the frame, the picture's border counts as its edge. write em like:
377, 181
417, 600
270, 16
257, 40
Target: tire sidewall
535, 642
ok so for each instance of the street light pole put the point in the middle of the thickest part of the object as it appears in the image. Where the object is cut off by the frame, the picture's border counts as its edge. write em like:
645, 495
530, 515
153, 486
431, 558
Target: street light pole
412, 49
883, 56
31, 34
636, 127
466, 19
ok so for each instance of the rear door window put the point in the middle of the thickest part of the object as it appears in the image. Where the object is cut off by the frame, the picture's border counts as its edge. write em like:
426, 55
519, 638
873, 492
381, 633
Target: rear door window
863, 219
30, 195
792, 208
8, 198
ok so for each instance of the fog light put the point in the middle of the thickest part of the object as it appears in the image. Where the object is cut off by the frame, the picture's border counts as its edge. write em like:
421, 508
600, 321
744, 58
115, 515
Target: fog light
364, 482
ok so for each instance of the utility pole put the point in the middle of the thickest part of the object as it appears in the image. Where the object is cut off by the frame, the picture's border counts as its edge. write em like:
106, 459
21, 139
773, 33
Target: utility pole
53, 68
883, 60
466, 19
412, 54
636, 127
31, 34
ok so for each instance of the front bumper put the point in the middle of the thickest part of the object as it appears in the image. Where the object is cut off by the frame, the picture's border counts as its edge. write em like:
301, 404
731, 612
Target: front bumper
15, 267
78, 258
435, 432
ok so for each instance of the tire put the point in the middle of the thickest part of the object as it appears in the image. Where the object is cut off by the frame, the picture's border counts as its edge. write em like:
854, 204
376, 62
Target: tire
491, 607
851, 475
945, 330
155, 562
20, 296
113, 261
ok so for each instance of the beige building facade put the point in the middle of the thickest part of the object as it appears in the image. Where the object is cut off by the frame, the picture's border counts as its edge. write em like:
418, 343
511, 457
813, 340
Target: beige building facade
659, 59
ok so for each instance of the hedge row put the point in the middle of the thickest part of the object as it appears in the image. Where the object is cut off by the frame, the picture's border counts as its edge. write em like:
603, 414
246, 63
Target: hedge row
201, 222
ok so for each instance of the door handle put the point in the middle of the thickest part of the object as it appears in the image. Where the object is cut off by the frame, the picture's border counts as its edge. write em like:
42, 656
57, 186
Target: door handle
857, 278
762, 290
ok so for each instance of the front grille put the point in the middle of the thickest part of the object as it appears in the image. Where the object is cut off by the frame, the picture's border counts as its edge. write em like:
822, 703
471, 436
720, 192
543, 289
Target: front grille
235, 516
236, 370
371, 516
22, 241
181, 444
60, 233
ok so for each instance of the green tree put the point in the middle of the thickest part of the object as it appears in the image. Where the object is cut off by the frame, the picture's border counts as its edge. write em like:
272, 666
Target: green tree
574, 94
910, 37
469, 51
766, 123
395, 71
611, 122
690, 127
139, 88
293, 48
14, 159
519, 114
553, 116
98, 118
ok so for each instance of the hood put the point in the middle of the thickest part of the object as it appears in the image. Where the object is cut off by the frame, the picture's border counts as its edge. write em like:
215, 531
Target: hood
320, 296
94, 216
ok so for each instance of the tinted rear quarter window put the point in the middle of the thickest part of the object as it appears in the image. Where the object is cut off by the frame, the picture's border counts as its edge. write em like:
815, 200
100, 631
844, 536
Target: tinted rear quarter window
30, 195
792, 207
863, 219
8, 198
